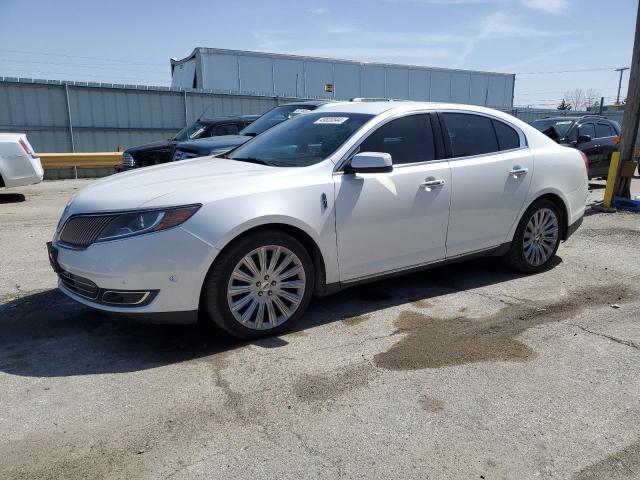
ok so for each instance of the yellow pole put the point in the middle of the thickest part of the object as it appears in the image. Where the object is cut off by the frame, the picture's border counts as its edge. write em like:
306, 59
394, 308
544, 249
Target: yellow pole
611, 179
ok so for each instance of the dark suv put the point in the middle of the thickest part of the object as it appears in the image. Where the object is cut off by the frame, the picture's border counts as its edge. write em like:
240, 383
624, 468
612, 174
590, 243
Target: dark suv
596, 136
162, 152
219, 145
200, 146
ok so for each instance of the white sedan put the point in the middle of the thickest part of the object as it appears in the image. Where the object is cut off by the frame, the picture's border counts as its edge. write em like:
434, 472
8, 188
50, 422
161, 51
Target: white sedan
332, 198
19, 165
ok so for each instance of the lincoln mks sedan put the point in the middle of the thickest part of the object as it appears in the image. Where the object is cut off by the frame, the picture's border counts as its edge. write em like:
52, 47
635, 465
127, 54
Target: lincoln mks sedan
329, 199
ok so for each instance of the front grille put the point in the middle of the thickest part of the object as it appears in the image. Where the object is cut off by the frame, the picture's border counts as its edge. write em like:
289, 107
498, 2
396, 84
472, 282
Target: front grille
79, 285
128, 160
82, 231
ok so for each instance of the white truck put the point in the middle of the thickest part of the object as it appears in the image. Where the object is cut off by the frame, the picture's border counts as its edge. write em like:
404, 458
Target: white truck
19, 165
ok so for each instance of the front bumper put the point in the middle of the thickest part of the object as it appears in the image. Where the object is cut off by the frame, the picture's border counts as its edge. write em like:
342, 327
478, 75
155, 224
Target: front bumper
171, 264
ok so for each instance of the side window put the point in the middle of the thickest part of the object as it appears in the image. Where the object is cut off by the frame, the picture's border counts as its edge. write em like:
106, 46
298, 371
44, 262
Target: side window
604, 130
230, 129
507, 137
407, 140
587, 129
470, 134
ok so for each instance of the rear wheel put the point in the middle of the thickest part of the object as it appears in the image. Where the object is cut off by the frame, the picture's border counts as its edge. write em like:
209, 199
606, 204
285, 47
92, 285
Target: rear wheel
536, 239
260, 286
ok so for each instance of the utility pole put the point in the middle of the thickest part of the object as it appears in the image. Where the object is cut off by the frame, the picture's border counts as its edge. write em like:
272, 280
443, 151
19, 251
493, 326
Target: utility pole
621, 70
631, 118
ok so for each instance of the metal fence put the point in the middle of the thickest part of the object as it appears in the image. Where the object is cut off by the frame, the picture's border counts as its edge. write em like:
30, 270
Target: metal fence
96, 117
87, 117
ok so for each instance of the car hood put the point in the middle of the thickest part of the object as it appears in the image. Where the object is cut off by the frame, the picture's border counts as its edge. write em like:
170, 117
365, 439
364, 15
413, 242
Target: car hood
177, 183
150, 146
215, 143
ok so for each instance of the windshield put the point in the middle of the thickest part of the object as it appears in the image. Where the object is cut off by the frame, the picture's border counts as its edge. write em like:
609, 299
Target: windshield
302, 141
275, 116
193, 131
547, 126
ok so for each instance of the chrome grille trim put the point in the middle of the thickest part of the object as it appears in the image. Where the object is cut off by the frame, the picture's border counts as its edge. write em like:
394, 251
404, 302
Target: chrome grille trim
82, 231
79, 285
128, 160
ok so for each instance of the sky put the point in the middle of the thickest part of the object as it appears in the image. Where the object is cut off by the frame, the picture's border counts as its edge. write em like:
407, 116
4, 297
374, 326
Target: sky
131, 42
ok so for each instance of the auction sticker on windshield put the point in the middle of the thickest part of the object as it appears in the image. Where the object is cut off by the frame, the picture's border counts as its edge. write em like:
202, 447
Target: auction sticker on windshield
332, 120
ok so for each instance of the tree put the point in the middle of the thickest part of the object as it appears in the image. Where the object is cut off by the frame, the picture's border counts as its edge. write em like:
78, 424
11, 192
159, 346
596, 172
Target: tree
591, 99
564, 105
575, 97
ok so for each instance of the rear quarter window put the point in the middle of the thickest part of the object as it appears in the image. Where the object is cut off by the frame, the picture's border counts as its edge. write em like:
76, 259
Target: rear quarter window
508, 138
604, 130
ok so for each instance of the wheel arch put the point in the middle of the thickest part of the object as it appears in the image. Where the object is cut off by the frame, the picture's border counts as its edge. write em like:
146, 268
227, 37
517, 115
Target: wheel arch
558, 199
296, 231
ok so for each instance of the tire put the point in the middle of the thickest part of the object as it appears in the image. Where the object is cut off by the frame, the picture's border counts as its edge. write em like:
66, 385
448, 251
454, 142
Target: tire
245, 273
532, 250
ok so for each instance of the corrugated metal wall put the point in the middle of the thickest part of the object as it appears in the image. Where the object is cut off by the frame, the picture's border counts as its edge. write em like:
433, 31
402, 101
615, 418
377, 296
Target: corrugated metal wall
241, 72
104, 117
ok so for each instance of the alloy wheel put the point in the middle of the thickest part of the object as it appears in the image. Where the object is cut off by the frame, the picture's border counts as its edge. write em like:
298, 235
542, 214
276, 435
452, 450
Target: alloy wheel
540, 237
266, 287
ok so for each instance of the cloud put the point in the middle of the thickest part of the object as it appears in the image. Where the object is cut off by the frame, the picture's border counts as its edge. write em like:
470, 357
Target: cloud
540, 57
557, 7
501, 25
319, 11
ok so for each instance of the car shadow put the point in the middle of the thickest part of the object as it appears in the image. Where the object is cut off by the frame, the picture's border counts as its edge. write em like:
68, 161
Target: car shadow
47, 335
11, 198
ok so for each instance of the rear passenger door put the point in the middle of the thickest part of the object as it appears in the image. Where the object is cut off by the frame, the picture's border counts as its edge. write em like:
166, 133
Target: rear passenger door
491, 169
591, 148
605, 135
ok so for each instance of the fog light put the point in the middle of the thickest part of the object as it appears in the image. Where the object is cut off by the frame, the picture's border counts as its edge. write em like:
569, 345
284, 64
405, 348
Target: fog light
126, 297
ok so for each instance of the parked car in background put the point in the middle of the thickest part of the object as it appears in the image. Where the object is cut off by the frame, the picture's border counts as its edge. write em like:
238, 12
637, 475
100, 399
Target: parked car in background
596, 136
329, 199
19, 164
218, 145
162, 152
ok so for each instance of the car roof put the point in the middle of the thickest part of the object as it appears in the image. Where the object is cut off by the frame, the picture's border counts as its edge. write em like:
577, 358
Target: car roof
574, 117
399, 106
306, 103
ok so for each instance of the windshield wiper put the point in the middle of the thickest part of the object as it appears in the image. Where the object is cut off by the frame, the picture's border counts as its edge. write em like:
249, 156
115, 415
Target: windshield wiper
251, 160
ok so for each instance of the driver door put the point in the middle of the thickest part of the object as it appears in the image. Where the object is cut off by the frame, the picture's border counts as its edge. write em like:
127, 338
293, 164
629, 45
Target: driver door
392, 221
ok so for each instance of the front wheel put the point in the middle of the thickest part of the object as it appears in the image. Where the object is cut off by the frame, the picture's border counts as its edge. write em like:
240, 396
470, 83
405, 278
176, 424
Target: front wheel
536, 239
260, 286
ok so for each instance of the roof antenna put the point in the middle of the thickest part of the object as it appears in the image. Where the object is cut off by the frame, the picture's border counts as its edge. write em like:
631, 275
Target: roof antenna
205, 111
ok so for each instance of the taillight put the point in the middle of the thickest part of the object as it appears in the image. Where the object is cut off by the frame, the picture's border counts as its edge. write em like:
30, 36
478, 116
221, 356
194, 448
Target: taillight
584, 159
26, 147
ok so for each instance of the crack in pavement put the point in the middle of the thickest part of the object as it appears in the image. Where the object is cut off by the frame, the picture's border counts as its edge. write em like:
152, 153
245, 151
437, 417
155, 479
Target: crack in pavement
628, 343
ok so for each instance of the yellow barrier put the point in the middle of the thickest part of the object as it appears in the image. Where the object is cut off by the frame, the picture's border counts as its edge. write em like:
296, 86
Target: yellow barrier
80, 160
611, 179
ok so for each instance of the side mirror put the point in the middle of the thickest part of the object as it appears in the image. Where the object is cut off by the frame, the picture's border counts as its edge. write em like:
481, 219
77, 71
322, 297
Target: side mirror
584, 138
370, 162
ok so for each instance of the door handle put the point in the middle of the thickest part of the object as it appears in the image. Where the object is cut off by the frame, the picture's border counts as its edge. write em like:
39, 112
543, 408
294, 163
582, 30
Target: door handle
517, 171
428, 184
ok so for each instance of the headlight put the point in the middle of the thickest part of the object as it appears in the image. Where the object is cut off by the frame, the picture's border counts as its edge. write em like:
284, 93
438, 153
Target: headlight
145, 221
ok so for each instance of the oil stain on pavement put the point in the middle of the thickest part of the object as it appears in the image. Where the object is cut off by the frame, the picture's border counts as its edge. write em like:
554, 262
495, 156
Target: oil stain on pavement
433, 342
